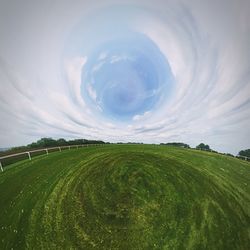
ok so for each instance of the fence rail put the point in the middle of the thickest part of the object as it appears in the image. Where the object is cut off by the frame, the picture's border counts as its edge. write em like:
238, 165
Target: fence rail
45, 150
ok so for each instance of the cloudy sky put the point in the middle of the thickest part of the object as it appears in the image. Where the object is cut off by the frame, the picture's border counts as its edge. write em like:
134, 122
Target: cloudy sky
150, 71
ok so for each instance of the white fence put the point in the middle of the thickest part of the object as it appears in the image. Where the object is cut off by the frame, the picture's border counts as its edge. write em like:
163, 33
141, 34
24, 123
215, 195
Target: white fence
46, 151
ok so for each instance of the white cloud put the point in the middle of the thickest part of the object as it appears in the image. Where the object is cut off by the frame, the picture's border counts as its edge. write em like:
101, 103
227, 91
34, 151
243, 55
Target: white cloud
142, 117
92, 92
117, 58
98, 66
103, 56
73, 68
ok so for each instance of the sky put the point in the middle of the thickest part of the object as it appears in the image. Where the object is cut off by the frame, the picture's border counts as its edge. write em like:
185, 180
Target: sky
143, 71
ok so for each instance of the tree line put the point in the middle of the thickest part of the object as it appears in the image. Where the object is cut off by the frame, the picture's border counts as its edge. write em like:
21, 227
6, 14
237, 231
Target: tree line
205, 147
50, 142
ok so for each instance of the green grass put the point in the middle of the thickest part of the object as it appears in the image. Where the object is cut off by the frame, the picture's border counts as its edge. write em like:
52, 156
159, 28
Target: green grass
126, 197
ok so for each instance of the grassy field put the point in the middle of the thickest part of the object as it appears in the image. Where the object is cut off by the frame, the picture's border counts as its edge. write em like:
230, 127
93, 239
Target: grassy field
126, 197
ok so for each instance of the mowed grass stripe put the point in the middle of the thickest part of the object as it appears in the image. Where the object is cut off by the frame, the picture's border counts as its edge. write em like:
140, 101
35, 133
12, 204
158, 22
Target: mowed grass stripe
21, 188
126, 197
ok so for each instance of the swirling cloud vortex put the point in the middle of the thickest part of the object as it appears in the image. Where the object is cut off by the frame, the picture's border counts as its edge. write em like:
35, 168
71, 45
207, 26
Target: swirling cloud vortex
141, 71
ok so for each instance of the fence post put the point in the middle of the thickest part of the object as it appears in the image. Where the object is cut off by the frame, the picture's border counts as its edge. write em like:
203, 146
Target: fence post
29, 155
69, 147
60, 149
47, 152
1, 167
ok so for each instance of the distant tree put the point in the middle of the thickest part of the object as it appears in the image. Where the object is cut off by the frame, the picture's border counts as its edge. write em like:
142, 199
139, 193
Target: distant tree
94, 142
73, 142
61, 142
228, 154
176, 144
213, 151
49, 142
203, 146
84, 141
33, 145
245, 152
46, 142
